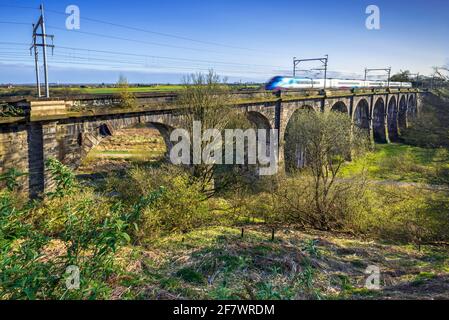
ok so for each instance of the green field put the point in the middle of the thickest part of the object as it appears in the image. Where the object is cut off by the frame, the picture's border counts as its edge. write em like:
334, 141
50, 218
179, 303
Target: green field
403, 163
162, 88
24, 91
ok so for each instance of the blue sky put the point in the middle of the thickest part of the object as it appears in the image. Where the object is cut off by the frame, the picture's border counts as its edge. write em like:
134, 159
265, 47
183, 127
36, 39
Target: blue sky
247, 40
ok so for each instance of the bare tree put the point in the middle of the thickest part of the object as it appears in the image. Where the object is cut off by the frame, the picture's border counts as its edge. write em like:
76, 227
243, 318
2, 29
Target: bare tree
437, 72
326, 140
205, 99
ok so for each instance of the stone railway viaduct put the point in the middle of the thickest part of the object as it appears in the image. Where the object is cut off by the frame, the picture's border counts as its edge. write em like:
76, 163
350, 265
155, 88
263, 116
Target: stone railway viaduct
49, 129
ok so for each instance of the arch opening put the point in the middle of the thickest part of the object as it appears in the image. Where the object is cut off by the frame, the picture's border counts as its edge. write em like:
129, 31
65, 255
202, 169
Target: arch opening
379, 121
294, 154
392, 119
340, 106
361, 116
402, 116
106, 150
104, 130
412, 111
259, 120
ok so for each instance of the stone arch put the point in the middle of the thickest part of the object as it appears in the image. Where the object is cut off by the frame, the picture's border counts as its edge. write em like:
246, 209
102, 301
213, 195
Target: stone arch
392, 119
340, 106
294, 155
379, 121
361, 116
412, 109
402, 115
259, 120
88, 140
105, 130
164, 131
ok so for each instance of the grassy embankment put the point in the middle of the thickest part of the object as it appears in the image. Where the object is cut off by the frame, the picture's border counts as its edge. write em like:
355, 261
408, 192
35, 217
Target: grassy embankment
401, 163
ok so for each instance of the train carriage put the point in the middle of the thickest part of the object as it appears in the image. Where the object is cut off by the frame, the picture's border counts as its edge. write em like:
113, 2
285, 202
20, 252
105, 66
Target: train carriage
285, 83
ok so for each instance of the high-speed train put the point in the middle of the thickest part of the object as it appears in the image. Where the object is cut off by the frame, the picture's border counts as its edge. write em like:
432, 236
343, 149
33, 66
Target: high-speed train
279, 83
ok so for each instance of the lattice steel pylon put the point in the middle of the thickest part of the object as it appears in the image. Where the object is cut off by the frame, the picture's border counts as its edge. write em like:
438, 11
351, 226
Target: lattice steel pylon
43, 44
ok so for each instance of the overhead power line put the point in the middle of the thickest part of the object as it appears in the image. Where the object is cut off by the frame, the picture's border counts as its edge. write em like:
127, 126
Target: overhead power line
138, 29
102, 35
136, 66
163, 34
122, 53
16, 23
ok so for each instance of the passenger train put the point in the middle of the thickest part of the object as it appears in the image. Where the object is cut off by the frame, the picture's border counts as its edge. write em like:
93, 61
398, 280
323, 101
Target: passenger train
279, 83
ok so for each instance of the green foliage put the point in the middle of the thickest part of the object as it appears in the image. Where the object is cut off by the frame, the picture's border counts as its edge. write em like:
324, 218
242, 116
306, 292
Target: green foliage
63, 176
190, 275
406, 214
40, 240
10, 177
164, 200
8, 110
128, 99
405, 163
402, 76
180, 209
311, 248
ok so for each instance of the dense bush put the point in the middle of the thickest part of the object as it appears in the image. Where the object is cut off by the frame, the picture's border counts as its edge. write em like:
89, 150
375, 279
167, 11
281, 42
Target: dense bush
179, 207
294, 202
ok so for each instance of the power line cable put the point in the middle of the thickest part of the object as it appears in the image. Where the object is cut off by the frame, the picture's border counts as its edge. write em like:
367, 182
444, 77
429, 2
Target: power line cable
102, 35
123, 26
155, 68
151, 56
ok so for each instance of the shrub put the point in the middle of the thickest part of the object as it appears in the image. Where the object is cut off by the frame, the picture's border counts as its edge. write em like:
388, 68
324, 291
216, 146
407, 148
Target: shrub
10, 177
179, 206
180, 209
63, 176
127, 98
294, 200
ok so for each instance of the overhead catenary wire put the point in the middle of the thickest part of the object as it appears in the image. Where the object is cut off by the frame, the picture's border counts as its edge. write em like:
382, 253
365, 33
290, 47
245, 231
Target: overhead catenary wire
102, 35
144, 30
152, 56
141, 67
104, 55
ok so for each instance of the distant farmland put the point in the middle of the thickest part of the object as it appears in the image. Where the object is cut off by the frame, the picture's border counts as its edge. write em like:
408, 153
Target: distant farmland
30, 91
